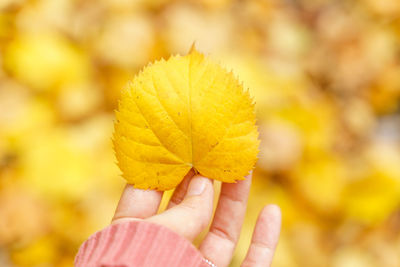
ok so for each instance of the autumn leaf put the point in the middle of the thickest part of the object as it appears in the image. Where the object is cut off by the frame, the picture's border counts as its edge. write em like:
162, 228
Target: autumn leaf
182, 113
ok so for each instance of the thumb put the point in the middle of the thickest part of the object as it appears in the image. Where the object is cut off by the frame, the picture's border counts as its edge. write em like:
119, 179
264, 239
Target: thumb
193, 214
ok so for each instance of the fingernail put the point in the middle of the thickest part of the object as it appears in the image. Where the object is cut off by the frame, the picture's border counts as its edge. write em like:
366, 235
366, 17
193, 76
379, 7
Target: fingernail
197, 186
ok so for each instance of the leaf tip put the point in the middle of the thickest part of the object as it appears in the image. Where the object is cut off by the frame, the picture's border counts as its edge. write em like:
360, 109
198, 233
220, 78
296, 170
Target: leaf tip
193, 48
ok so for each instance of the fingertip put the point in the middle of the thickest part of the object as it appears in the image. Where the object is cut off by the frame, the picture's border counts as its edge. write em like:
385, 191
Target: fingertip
271, 214
272, 210
137, 203
198, 185
269, 221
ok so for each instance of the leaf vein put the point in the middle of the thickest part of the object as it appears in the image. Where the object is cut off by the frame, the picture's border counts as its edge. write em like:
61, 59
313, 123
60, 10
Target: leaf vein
166, 110
150, 162
154, 132
224, 135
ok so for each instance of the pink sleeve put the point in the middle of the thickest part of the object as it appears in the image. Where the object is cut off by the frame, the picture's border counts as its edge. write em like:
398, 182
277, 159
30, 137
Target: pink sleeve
138, 243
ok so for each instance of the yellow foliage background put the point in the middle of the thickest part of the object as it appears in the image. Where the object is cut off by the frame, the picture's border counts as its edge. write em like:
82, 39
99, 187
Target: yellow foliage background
326, 78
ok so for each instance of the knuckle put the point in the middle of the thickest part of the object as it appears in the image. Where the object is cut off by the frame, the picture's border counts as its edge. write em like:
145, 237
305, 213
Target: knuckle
224, 234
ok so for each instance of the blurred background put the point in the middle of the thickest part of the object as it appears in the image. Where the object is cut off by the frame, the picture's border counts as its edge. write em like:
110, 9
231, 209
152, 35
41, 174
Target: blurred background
326, 78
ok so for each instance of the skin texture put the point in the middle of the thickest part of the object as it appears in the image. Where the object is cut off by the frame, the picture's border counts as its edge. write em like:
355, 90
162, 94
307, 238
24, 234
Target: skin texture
190, 211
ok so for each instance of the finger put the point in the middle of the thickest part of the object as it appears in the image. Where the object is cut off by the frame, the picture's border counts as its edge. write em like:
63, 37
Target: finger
220, 242
137, 203
192, 215
265, 238
180, 191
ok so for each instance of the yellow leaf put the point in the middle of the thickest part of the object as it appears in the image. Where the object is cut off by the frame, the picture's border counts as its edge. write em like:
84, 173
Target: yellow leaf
181, 113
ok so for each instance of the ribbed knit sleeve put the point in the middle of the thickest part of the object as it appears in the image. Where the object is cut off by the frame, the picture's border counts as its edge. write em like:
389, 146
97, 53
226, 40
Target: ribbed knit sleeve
138, 243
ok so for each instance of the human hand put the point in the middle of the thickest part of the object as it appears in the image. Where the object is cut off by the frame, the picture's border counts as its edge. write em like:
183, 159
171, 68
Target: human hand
190, 210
